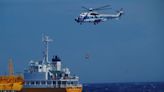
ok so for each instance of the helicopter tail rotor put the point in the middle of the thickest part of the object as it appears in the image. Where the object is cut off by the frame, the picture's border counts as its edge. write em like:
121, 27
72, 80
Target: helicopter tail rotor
120, 12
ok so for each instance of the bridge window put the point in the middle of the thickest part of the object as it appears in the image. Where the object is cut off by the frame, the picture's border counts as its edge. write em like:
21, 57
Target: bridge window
49, 82
37, 82
32, 82
54, 82
43, 82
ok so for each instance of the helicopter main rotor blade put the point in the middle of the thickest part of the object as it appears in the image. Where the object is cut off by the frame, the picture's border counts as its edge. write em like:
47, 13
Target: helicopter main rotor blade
85, 8
101, 8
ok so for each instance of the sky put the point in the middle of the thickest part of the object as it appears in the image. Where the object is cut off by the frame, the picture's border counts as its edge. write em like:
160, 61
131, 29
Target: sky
127, 50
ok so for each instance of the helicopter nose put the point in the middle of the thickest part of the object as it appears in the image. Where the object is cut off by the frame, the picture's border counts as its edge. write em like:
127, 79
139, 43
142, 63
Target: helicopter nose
76, 19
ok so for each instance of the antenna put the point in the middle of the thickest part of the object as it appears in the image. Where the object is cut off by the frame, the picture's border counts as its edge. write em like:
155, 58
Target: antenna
46, 41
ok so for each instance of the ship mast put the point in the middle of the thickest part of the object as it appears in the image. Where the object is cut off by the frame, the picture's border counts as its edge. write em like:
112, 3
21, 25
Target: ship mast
46, 41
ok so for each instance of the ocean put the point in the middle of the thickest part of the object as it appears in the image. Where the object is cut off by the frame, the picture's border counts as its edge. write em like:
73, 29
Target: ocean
124, 87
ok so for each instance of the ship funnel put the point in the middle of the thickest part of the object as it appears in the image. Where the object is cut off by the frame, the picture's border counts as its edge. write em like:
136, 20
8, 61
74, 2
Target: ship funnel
55, 59
57, 62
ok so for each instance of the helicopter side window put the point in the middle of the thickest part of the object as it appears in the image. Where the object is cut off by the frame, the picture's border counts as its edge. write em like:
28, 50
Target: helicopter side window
86, 17
94, 14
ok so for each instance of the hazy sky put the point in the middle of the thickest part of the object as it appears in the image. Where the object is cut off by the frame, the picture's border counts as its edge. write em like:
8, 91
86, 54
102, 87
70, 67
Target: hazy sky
127, 50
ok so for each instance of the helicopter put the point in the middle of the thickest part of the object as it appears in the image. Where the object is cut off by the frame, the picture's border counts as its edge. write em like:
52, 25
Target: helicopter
92, 16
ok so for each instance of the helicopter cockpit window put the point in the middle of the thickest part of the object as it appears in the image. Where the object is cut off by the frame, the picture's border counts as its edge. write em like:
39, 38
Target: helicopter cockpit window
94, 14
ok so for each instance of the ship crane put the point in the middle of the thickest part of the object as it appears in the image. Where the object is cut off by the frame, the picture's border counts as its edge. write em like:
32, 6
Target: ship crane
11, 82
11, 70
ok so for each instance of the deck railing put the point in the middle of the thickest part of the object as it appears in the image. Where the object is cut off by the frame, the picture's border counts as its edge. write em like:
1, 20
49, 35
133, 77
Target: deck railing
52, 84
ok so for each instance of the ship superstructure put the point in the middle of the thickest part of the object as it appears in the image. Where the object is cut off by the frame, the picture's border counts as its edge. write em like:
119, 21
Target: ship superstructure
48, 75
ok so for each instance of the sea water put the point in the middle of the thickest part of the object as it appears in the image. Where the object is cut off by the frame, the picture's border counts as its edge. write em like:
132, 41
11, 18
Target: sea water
124, 87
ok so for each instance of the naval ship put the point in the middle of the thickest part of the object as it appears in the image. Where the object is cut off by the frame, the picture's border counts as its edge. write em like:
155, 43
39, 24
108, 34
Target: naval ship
49, 76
